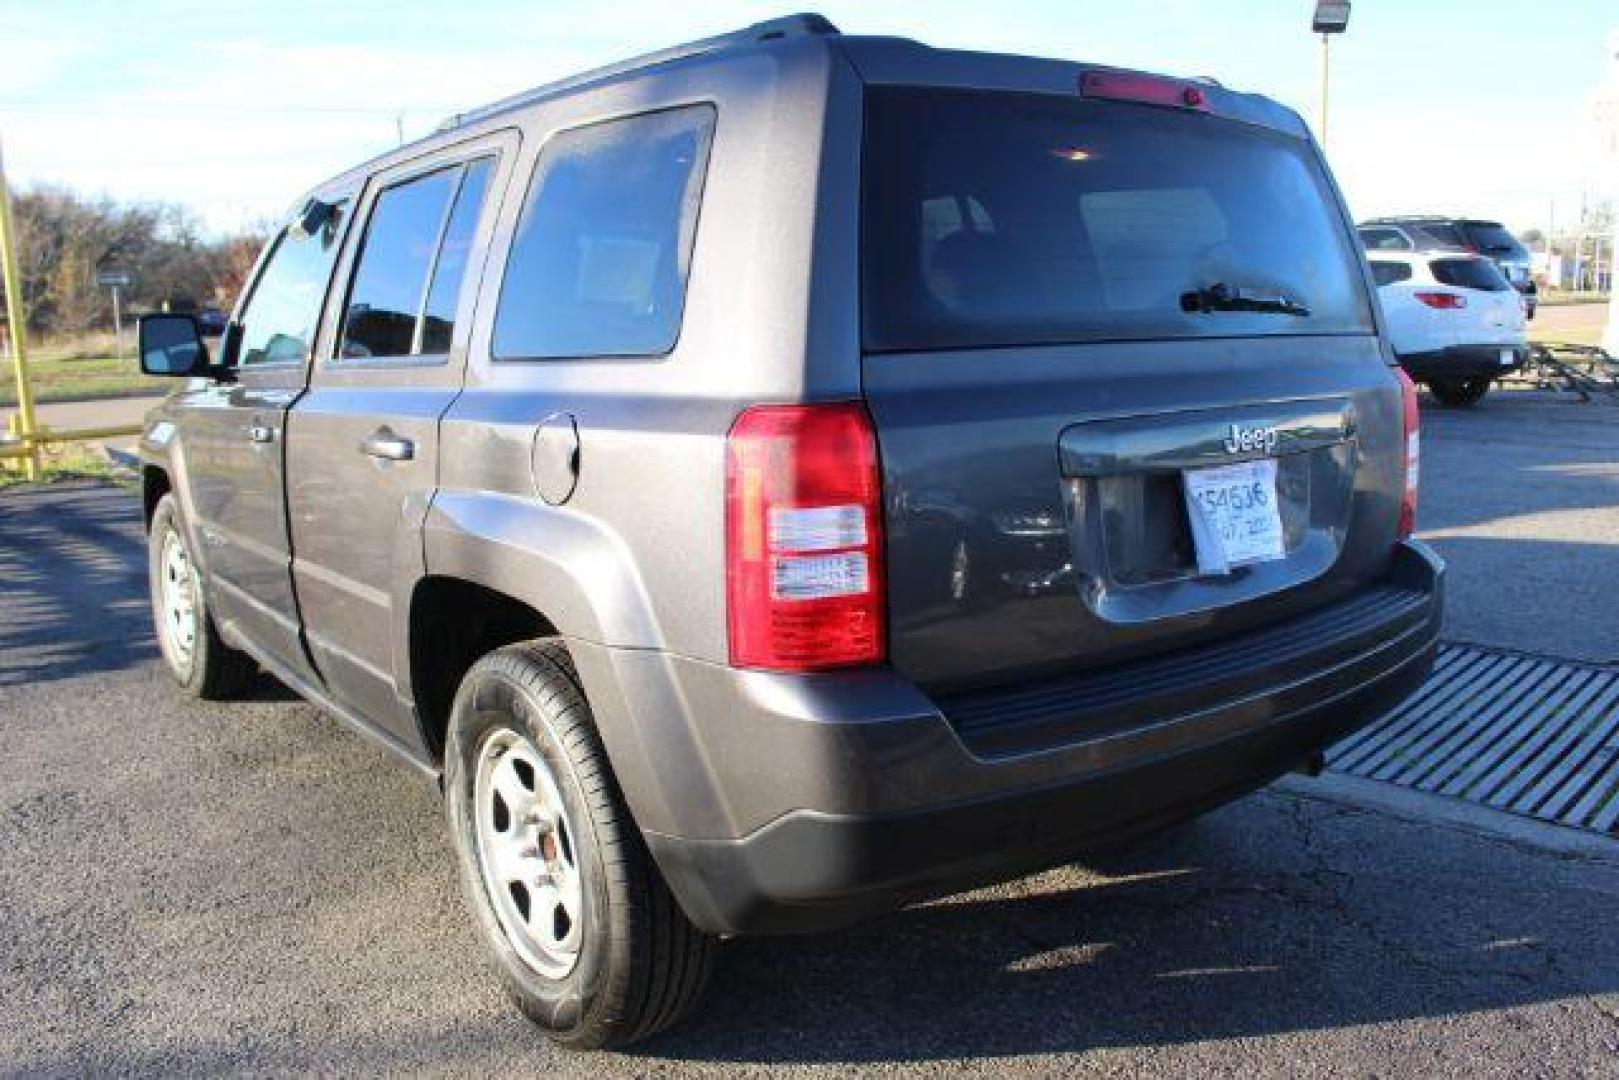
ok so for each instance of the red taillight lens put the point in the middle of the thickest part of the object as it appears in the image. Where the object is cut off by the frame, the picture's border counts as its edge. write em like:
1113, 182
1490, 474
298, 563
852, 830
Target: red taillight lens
803, 559
1148, 89
1413, 453
1444, 301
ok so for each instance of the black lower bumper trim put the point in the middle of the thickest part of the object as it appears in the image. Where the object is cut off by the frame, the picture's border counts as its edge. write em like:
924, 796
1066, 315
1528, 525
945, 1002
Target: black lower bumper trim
810, 871
1464, 362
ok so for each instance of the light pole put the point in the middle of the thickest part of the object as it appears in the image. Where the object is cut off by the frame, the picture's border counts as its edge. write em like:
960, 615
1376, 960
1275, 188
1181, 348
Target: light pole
1605, 112
1331, 17
16, 324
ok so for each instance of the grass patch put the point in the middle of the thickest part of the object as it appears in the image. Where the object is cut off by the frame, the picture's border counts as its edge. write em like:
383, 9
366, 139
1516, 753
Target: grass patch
1558, 298
76, 378
61, 463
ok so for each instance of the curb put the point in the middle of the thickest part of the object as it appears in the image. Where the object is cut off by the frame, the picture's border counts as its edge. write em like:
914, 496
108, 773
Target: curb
1427, 809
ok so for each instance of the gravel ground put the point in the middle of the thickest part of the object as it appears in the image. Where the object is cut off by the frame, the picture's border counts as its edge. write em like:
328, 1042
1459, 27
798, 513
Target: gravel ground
189, 888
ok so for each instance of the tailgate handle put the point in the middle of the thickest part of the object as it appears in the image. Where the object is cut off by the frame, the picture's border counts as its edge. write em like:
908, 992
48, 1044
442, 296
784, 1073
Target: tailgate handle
1197, 439
386, 446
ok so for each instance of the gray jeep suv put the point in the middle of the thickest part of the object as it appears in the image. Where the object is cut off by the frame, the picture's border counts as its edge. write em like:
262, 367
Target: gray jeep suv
791, 475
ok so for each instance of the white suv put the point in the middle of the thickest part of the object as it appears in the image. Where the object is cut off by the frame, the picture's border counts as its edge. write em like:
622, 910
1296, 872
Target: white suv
1454, 321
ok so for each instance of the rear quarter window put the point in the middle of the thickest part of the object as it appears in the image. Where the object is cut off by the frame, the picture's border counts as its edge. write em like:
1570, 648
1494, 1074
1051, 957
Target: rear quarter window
995, 218
599, 263
1441, 234
1493, 238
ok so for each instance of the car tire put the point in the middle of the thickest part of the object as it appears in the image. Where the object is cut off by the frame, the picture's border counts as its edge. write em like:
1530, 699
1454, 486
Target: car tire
1459, 393
188, 638
586, 936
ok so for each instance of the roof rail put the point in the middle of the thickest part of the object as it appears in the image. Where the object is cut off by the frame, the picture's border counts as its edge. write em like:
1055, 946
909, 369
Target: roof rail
805, 23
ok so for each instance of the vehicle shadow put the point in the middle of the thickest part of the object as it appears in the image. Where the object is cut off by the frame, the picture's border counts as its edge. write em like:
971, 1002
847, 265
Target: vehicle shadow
72, 583
1275, 916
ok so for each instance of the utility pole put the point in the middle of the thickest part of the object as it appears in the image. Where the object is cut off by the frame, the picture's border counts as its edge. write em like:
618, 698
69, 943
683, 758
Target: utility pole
17, 324
1331, 17
1326, 79
1605, 111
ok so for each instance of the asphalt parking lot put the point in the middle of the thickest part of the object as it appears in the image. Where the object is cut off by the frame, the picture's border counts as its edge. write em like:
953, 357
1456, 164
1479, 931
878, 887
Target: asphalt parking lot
188, 888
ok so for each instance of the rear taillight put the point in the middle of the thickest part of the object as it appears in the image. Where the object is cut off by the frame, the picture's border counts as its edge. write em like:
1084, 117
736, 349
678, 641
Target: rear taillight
803, 559
1444, 301
1413, 453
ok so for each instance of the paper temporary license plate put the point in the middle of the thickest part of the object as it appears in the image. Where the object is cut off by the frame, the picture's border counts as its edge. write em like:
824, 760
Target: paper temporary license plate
1234, 514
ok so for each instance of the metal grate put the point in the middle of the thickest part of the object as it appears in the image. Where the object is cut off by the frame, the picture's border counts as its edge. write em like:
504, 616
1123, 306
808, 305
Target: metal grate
1535, 737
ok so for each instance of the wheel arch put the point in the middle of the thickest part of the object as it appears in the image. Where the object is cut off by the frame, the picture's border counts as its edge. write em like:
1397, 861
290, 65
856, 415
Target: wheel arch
498, 570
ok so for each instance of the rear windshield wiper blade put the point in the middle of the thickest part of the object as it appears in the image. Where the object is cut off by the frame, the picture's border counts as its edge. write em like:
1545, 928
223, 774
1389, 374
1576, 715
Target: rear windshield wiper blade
1223, 297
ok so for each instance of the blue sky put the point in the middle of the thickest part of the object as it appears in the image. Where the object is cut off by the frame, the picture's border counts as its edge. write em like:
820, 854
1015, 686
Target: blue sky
1473, 106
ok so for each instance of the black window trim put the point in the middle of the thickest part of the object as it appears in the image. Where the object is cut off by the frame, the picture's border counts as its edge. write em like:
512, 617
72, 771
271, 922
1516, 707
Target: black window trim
709, 104
333, 360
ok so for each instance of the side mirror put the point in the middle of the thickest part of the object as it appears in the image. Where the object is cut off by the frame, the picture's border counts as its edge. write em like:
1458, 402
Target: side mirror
171, 345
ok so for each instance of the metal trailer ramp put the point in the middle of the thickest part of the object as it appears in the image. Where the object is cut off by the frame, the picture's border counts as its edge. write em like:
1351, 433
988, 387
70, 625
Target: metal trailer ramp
1518, 733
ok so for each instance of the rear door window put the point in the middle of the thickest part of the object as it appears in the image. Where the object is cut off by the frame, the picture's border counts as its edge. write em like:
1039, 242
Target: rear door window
1479, 274
407, 281
438, 317
1390, 273
1006, 219
599, 262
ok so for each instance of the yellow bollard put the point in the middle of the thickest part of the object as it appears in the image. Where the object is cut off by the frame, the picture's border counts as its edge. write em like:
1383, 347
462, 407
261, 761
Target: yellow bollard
16, 324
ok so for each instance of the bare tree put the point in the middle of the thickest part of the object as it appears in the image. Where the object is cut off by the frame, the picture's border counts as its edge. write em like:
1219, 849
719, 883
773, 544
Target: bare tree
65, 238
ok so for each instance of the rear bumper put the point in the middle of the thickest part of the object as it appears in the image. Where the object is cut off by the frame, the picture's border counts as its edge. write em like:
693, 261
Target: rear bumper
804, 803
1464, 362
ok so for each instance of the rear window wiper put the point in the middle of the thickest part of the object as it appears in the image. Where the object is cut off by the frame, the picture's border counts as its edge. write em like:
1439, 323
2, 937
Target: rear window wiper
1223, 297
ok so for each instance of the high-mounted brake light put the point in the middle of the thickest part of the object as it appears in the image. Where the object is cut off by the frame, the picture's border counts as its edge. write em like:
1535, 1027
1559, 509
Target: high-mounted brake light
1147, 89
1413, 453
803, 559
1443, 301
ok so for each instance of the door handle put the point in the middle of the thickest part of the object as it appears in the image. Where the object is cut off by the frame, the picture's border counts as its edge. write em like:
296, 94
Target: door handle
384, 444
261, 433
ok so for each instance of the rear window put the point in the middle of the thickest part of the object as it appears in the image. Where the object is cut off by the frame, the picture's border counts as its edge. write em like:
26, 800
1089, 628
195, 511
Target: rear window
1469, 274
1007, 219
1390, 273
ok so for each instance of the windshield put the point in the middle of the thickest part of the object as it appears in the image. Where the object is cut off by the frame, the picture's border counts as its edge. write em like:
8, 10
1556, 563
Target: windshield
1492, 239
1008, 219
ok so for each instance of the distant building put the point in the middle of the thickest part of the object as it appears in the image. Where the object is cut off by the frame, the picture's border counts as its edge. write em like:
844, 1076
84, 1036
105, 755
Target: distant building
1605, 145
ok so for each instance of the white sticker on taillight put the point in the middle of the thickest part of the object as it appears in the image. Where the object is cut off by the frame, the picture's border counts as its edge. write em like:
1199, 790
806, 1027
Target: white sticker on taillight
1413, 460
819, 577
817, 528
